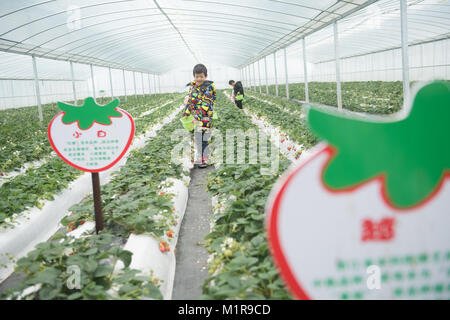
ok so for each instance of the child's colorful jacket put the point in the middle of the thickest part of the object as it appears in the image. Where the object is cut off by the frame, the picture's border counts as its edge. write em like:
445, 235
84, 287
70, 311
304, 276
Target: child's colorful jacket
201, 102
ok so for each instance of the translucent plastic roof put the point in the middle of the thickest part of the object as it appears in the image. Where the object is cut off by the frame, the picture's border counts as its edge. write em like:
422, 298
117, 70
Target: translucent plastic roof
159, 35
377, 28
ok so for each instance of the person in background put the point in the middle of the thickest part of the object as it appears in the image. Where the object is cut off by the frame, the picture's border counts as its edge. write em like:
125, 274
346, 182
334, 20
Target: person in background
238, 93
200, 103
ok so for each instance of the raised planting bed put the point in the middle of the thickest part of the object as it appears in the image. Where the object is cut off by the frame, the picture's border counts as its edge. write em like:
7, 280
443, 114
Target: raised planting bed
143, 206
240, 265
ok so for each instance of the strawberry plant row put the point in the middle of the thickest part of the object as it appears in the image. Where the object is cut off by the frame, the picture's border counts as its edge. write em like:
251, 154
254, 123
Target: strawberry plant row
293, 125
39, 184
132, 203
376, 97
24, 139
47, 271
240, 265
284, 104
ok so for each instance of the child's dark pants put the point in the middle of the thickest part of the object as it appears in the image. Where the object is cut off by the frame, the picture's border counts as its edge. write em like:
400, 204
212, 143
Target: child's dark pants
201, 137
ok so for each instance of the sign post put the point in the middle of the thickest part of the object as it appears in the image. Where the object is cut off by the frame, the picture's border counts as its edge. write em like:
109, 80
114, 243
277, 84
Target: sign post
97, 201
366, 214
91, 138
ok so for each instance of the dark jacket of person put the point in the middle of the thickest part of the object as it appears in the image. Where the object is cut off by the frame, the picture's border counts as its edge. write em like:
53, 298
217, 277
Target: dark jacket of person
238, 88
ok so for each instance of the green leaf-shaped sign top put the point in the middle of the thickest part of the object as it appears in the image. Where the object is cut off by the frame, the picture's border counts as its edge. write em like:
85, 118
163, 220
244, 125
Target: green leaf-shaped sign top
89, 113
412, 154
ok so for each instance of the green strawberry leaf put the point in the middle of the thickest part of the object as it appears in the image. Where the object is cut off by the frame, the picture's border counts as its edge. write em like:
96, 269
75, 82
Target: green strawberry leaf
89, 113
411, 154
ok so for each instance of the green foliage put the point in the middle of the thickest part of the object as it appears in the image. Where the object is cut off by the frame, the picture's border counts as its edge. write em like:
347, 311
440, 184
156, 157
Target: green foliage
131, 200
131, 203
377, 97
240, 266
49, 266
38, 184
289, 123
24, 139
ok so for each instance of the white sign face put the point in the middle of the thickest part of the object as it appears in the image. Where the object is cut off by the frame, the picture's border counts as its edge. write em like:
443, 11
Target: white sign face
92, 140
326, 244
367, 215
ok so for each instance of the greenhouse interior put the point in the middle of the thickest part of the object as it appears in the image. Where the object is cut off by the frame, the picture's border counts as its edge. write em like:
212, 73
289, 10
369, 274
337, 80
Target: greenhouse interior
196, 150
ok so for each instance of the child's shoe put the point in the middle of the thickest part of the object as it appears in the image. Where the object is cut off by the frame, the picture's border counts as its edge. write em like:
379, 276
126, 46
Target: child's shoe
204, 163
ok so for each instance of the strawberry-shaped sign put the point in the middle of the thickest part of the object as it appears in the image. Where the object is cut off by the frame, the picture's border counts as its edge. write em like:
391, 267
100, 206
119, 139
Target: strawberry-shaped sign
367, 214
91, 137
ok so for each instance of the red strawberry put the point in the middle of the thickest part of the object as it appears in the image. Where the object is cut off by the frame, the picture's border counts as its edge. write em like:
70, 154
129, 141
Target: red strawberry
167, 247
162, 247
91, 137
81, 223
282, 140
169, 233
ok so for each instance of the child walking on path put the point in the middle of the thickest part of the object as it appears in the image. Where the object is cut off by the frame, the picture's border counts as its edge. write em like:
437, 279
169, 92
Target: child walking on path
200, 103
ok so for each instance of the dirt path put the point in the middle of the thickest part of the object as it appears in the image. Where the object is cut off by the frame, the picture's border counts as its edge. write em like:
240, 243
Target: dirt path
191, 269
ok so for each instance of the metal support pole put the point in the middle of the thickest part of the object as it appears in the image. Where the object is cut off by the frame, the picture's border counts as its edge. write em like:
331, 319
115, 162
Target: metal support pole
38, 91
124, 84
154, 82
93, 82
111, 84
259, 76
286, 73
73, 84
159, 84
252, 80
135, 88
142, 80
305, 71
250, 76
276, 75
267, 79
245, 77
337, 62
149, 85
254, 76
405, 60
